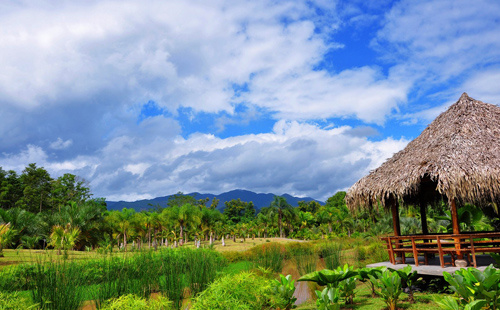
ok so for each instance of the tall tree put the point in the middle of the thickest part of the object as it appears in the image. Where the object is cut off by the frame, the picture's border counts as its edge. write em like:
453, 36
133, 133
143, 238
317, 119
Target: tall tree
68, 188
236, 211
37, 186
281, 205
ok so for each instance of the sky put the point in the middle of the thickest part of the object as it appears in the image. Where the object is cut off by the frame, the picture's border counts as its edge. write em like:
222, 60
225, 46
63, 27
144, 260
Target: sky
148, 98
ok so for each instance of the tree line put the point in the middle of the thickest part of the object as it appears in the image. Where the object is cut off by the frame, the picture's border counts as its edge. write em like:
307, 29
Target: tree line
37, 211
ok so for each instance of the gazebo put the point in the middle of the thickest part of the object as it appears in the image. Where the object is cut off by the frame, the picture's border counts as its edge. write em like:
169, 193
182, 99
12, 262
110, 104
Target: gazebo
456, 158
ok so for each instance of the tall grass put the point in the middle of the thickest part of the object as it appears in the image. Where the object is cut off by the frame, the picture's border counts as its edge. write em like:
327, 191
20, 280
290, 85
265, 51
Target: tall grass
58, 286
331, 253
66, 284
304, 256
202, 267
269, 255
172, 280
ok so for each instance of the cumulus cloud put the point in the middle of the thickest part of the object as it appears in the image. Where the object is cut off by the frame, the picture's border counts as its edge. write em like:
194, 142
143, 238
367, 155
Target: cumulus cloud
296, 158
76, 75
59, 144
442, 49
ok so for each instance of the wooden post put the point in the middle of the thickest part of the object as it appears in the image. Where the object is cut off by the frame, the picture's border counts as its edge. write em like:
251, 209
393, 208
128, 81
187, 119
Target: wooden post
456, 227
395, 223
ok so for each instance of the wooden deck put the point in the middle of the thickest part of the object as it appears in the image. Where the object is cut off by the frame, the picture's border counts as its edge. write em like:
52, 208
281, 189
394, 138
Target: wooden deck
434, 267
455, 246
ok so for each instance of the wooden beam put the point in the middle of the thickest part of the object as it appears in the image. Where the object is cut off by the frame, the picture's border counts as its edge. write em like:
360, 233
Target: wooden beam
456, 227
454, 216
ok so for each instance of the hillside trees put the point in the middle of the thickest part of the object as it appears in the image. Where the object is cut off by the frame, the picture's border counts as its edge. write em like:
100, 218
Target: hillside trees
237, 211
36, 191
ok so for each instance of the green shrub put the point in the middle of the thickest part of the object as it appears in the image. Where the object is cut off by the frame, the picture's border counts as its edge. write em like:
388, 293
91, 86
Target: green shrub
377, 252
243, 291
450, 303
15, 301
389, 284
328, 299
235, 256
360, 253
472, 284
133, 302
283, 291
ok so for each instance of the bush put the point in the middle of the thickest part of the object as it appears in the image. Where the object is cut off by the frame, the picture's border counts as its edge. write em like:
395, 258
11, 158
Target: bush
133, 302
472, 284
236, 256
389, 284
377, 251
15, 301
244, 291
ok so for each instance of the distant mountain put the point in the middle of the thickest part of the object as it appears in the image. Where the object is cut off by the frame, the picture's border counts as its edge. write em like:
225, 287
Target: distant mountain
259, 200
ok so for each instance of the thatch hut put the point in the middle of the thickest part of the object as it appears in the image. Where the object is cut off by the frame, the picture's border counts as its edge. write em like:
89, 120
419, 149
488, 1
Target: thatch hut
457, 157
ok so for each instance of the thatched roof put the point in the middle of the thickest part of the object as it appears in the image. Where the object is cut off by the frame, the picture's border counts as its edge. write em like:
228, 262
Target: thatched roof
458, 154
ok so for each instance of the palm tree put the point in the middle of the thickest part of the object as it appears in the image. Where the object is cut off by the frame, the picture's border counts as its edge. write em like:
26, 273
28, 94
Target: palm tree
64, 238
185, 217
6, 236
121, 223
280, 204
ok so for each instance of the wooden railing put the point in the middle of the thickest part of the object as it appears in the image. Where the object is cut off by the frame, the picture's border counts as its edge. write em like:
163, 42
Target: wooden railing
457, 246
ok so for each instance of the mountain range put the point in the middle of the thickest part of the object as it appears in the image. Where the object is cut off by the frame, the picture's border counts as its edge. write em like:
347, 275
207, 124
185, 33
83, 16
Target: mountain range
259, 200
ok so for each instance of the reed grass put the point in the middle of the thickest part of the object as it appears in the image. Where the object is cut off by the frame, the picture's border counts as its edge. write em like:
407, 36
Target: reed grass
270, 255
331, 252
58, 286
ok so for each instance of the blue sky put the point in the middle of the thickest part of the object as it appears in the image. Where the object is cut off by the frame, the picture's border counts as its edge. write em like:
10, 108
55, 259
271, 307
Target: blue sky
148, 98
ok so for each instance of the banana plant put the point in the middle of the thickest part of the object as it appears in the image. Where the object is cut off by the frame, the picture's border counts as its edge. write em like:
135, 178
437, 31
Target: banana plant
365, 273
348, 285
389, 284
328, 299
284, 289
472, 284
410, 278
450, 303
330, 278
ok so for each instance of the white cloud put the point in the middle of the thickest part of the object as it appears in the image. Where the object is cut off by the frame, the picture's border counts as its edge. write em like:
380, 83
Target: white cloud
187, 53
442, 49
60, 144
484, 86
297, 158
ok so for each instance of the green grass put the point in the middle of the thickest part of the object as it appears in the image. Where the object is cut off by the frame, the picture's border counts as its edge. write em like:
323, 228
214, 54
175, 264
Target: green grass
237, 267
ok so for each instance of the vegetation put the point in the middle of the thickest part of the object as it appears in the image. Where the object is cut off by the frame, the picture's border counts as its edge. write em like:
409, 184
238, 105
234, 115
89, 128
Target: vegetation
189, 253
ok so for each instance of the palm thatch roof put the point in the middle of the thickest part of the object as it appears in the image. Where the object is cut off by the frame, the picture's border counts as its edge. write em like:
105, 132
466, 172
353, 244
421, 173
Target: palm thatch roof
457, 156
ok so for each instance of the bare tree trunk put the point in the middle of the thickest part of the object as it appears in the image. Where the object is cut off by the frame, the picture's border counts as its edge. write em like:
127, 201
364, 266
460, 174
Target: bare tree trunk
125, 241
